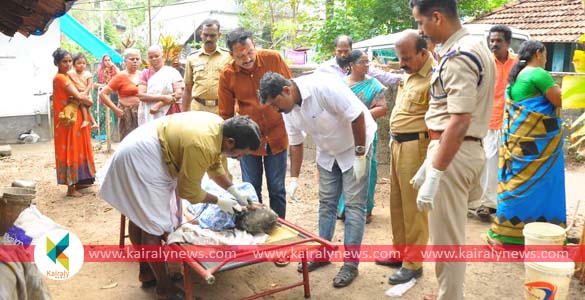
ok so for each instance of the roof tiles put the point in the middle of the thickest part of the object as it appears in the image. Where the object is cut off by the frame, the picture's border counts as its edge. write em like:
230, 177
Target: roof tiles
30, 16
546, 20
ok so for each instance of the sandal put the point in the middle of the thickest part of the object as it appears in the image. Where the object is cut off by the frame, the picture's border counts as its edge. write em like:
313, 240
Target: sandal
178, 295
369, 218
345, 276
484, 213
175, 277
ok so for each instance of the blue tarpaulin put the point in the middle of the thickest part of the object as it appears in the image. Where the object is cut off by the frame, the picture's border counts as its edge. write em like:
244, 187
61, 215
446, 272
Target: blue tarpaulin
87, 40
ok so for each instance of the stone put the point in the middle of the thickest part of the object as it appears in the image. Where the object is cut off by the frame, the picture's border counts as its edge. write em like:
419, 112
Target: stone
24, 184
5, 150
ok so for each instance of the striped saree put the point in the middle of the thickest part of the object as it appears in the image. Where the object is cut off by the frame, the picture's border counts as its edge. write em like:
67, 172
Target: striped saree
531, 170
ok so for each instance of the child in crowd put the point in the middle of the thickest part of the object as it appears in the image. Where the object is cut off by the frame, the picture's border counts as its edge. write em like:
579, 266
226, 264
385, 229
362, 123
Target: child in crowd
82, 80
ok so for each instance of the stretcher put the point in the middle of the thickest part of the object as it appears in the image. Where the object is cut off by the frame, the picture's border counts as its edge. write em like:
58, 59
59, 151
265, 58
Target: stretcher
284, 238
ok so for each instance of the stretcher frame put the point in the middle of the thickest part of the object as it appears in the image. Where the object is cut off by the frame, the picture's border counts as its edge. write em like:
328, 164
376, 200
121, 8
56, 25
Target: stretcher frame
307, 242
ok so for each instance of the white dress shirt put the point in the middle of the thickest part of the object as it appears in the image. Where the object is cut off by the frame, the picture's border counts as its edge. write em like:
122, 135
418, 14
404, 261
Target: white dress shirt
386, 78
328, 107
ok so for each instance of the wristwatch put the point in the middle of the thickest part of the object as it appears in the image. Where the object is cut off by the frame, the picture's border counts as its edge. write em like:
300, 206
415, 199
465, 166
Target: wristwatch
360, 149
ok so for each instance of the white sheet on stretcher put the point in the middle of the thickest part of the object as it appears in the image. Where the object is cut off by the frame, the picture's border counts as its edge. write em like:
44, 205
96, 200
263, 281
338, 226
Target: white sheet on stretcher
194, 234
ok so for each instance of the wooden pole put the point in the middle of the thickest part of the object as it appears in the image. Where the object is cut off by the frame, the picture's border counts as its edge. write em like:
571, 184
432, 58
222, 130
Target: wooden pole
108, 130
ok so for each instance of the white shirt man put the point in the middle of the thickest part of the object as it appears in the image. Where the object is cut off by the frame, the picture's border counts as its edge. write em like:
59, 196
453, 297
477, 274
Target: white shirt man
343, 130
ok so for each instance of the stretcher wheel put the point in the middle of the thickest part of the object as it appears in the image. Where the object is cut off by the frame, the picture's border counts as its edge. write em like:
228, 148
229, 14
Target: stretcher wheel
210, 279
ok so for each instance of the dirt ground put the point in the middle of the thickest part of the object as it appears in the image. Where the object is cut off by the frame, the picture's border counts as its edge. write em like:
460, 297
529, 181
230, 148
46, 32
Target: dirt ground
95, 222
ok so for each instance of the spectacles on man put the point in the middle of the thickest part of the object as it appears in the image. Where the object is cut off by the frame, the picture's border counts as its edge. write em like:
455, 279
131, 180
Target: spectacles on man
134, 58
363, 62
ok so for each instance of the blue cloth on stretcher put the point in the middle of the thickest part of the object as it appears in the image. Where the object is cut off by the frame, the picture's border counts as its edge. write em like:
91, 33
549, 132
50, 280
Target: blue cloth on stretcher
209, 215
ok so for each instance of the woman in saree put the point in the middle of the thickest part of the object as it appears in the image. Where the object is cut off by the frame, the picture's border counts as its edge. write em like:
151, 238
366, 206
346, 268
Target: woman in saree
373, 94
531, 167
105, 72
125, 84
73, 149
159, 87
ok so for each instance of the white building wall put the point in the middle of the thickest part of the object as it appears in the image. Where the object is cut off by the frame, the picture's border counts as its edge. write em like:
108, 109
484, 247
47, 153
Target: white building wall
27, 71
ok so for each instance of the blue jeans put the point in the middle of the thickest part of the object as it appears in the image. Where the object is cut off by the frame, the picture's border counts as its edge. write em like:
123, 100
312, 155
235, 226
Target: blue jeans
275, 167
331, 185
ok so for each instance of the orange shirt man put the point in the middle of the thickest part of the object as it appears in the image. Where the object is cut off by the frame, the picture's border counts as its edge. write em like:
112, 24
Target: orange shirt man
499, 40
238, 94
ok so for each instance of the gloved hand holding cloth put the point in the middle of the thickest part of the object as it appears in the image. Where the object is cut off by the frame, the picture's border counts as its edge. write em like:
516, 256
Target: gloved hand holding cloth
228, 205
293, 188
243, 199
359, 167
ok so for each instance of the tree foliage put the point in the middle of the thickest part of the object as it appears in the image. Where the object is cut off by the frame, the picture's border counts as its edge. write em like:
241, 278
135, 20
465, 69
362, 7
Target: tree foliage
280, 23
363, 19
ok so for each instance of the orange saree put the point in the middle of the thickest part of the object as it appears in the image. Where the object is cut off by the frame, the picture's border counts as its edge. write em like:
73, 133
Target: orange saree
73, 149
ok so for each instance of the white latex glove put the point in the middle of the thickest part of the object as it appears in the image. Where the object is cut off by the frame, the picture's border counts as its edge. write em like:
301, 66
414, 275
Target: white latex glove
228, 205
293, 188
418, 178
359, 167
428, 190
243, 199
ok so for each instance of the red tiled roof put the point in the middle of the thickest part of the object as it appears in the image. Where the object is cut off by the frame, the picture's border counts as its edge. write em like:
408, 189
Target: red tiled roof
30, 16
546, 20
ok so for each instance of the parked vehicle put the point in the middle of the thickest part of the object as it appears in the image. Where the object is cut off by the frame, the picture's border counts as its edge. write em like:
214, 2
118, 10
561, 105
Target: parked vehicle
382, 47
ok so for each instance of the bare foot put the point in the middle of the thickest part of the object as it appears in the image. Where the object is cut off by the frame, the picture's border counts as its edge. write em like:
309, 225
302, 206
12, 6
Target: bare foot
74, 194
429, 296
84, 124
80, 186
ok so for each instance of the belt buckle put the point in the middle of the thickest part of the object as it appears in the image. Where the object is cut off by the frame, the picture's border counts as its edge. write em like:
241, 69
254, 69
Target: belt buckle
210, 102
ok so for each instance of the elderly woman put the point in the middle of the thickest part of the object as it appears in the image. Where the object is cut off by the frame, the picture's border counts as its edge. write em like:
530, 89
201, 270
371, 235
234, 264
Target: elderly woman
125, 84
160, 87
372, 93
531, 168
73, 149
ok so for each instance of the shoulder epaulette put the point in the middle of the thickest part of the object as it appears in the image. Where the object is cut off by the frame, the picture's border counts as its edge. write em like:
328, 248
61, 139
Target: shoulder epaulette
455, 53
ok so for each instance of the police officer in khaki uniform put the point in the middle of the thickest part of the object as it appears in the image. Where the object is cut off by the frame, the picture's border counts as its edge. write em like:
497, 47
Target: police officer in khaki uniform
462, 90
408, 149
202, 70
202, 74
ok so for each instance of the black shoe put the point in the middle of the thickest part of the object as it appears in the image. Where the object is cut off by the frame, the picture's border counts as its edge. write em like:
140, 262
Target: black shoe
404, 275
389, 263
312, 266
345, 276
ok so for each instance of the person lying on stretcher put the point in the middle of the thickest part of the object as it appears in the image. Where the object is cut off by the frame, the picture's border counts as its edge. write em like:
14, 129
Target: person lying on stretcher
254, 218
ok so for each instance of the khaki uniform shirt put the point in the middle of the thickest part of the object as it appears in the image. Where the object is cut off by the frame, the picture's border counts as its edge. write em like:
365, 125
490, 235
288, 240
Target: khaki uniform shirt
408, 114
191, 145
202, 71
460, 76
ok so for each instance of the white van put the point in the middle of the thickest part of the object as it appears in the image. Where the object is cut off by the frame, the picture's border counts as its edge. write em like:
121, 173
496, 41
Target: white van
382, 47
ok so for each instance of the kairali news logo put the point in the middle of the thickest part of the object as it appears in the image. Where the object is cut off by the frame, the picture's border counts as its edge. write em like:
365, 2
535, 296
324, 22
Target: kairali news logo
59, 254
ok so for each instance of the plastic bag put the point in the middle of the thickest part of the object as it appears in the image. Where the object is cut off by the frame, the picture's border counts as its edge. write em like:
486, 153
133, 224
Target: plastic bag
30, 225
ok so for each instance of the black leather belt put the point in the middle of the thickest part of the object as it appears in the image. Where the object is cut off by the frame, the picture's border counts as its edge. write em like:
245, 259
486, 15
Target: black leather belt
407, 137
207, 102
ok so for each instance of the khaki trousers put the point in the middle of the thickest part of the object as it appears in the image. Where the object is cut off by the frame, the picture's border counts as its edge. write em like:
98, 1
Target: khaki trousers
409, 225
196, 106
459, 185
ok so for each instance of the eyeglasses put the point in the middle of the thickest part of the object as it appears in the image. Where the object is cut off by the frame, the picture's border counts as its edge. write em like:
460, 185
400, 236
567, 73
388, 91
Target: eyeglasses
363, 62
134, 58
